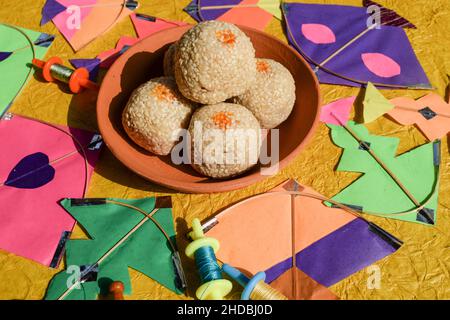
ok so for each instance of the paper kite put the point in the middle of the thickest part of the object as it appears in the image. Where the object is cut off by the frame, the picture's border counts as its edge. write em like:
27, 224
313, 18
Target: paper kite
82, 21
40, 165
251, 13
344, 49
144, 25
16, 54
148, 250
303, 246
403, 187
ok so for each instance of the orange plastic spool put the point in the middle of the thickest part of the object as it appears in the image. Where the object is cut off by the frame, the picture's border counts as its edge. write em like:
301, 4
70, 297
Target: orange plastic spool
54, 70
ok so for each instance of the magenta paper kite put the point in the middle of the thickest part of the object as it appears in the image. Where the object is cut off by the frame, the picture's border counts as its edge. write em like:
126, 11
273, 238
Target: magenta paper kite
82, 21
43, 164
344, 49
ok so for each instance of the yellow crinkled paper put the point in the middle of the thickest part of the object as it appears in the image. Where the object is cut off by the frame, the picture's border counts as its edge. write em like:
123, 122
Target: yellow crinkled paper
419, 270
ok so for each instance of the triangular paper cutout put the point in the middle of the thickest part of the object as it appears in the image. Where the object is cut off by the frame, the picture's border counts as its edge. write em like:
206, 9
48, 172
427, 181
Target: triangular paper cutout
375, 104
271, 6
5, 55
337, 112
50, 10
92, 65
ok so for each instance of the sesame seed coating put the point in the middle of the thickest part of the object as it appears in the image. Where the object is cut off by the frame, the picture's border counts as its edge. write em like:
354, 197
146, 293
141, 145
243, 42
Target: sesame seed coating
228, 143
214, 61
155, 114
272, 97
169, 60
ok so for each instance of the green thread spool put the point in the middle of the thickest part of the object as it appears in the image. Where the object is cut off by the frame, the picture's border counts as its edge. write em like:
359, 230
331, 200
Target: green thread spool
214, 287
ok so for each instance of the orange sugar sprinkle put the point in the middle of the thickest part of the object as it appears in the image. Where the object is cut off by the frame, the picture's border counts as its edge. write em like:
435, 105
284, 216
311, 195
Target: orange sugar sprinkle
262, 66
161, 92
223, 120
226, 36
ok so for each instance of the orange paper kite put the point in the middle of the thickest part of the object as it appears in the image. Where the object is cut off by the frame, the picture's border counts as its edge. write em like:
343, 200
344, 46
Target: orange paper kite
303, 246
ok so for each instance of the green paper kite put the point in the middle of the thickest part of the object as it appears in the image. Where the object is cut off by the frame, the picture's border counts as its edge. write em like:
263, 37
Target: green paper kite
376, 192
147, 250
15, 59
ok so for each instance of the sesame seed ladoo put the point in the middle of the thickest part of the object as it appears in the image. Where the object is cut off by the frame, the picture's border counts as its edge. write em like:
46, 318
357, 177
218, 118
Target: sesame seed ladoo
214, 61
272, 97
156, 110
223, 127
169, 60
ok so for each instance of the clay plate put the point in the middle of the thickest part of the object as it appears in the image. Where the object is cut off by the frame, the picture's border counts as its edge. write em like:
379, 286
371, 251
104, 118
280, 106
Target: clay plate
144, 61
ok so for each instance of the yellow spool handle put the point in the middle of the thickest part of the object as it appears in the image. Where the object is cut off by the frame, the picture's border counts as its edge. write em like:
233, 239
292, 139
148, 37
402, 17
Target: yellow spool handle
212, 290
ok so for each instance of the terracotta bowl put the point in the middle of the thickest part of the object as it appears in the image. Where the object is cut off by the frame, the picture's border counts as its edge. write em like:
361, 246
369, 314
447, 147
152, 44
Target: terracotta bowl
144, 61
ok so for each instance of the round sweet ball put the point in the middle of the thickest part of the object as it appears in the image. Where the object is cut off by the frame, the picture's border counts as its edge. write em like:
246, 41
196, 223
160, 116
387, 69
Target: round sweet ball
155, 115
169, 59
272, 97
214, 61
225, 140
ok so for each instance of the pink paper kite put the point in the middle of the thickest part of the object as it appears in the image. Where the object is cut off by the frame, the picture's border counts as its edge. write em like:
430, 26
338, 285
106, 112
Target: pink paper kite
40, 165
82, 21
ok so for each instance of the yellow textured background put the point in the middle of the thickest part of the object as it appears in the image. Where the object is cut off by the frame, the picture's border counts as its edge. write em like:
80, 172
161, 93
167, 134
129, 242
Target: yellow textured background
419, 270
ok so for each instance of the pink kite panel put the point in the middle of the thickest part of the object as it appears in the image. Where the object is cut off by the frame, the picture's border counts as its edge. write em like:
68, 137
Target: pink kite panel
42, 165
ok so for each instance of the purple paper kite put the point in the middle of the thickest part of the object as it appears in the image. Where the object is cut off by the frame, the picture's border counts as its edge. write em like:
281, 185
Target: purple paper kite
344, 49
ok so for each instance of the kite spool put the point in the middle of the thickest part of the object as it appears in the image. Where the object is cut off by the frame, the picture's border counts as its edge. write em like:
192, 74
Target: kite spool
54, 70
203, 250
254, 288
